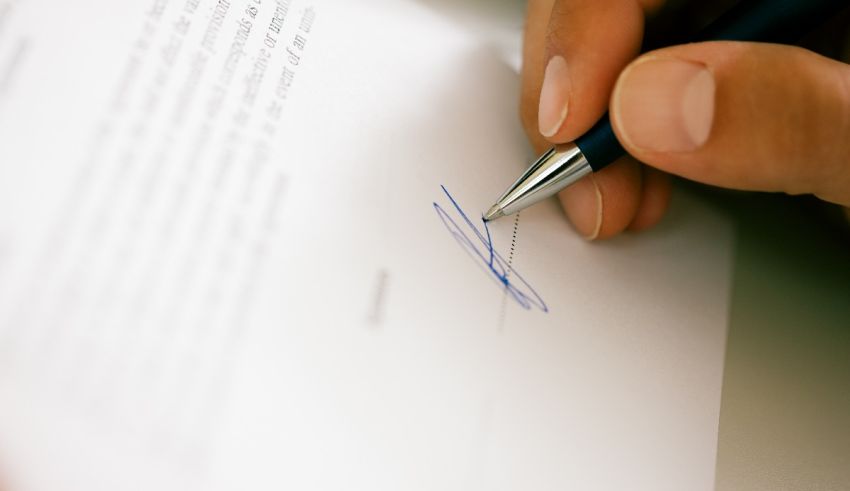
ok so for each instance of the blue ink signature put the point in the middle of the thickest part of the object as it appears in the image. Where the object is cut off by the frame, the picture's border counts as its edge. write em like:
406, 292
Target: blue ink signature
483, 252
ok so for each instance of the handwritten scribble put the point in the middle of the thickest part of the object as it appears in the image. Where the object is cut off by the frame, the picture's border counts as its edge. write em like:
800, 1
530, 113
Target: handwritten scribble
480, 247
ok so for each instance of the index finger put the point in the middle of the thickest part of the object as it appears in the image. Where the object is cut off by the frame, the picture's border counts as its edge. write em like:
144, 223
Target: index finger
580, 46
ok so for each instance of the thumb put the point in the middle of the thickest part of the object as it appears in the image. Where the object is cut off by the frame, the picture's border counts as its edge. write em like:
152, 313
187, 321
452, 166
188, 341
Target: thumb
740, 115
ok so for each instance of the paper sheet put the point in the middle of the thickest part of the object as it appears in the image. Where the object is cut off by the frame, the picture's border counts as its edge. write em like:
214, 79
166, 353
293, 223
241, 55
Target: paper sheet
241, 248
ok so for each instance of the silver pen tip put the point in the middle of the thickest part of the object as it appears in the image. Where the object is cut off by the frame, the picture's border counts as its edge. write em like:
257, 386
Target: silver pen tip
493, 213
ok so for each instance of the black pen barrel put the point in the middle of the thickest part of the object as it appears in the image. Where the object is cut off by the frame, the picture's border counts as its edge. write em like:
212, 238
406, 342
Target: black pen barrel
773, 21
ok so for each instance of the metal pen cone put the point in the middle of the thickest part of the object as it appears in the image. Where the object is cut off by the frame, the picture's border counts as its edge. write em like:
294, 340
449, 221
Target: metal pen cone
553, 171
493, 213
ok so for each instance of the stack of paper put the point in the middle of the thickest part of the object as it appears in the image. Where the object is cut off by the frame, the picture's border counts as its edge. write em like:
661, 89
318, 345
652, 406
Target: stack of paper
241, 248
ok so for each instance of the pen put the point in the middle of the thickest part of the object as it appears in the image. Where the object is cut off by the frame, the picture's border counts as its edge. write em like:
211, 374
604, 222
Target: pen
773, 21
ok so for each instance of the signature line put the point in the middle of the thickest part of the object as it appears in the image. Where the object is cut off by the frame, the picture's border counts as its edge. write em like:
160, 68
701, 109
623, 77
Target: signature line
479, 245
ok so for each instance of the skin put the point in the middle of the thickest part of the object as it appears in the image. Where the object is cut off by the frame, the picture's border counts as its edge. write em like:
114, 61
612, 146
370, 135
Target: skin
770, 103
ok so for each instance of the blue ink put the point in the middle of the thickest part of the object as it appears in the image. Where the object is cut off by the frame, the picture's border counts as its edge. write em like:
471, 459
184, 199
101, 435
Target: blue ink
484, 253
489, 240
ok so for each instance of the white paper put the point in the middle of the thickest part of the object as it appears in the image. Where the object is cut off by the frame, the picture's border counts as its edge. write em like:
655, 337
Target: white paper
229, 259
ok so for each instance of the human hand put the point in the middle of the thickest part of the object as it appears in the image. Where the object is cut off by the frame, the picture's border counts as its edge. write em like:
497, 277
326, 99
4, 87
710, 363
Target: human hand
747, 116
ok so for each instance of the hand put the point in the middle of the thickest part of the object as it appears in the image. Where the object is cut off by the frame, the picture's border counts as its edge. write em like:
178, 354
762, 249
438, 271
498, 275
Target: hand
745, 116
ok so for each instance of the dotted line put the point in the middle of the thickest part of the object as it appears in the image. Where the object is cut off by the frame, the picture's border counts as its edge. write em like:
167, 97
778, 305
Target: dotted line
504, 311
513, 245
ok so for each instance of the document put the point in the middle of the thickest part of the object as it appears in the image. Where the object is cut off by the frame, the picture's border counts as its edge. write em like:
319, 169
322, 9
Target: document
241, 247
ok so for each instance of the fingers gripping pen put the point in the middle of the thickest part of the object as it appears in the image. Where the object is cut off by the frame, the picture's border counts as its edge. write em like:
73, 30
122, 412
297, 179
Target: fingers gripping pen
775, 21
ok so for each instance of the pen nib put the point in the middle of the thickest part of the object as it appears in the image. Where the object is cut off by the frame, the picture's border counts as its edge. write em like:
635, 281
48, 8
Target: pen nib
494, 213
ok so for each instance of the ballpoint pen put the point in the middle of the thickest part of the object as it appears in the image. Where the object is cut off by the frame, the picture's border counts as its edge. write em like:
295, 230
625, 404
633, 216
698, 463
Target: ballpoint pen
775, 21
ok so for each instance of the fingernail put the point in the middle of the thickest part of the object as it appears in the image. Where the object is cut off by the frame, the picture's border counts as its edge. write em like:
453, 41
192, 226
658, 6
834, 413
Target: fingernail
554, 97
665, 105
582, 202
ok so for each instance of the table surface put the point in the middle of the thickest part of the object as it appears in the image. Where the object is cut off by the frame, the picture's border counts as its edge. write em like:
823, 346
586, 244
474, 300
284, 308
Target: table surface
785, 409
